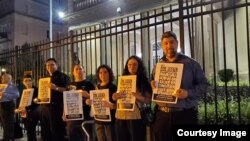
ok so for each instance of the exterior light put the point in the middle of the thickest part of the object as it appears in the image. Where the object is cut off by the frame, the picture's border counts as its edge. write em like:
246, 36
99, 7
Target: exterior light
61, 14
3, 70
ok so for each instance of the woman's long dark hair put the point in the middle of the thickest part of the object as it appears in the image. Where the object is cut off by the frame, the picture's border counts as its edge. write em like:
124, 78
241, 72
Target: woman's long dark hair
141, 73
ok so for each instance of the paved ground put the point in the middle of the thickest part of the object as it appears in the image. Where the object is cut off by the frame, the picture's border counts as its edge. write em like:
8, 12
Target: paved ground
24, 135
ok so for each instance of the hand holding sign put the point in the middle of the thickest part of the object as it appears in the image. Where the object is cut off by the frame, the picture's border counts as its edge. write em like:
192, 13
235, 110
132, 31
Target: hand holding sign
116, 96
180, 93
154, 84
84, 94
107, 104
88, 101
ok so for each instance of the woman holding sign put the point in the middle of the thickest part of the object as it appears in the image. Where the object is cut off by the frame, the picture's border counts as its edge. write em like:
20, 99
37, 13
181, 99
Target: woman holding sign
130, 126
74, 129
105, 130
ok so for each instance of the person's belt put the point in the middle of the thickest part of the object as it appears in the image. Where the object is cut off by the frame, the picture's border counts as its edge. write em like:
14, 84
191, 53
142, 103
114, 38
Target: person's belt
168, 109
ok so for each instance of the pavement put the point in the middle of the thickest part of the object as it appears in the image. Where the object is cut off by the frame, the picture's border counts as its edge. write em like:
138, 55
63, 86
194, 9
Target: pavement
24, 138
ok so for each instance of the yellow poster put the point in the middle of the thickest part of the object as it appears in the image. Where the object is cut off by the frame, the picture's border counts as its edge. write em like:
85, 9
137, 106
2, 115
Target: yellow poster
26, 98
44, 92
126, 85
2, 89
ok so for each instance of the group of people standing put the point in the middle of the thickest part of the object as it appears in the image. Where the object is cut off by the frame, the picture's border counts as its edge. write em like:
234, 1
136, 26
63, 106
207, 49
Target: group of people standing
124, 125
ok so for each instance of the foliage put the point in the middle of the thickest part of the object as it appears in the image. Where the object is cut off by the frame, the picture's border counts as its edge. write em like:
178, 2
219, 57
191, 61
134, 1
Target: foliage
230, 83
234, 83
226, 75
233, 115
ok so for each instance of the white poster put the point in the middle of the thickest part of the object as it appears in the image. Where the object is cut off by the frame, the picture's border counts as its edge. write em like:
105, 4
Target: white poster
26, 98
168, 78
100, 112
126, 85
72, 103
44, 92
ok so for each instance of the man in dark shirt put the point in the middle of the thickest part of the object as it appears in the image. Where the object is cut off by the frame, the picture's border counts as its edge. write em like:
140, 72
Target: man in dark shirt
193, 85
52, 126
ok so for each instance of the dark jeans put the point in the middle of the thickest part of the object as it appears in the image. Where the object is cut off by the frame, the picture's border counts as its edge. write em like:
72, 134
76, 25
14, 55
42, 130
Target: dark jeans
7, 119
130, 130
162, 127
52, 126
31, 122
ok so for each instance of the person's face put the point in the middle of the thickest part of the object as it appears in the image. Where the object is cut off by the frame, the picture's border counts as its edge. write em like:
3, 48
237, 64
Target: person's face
27, 82
51, 66
5, 79
78, 72
104, 75
169, 46
132, 66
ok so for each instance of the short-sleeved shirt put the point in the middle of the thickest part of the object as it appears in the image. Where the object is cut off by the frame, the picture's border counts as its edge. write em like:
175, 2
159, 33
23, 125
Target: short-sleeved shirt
86, 86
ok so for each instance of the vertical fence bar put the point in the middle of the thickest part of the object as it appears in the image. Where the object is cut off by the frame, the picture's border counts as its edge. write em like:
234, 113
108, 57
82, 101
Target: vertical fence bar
214, 65
248, 44
237, 65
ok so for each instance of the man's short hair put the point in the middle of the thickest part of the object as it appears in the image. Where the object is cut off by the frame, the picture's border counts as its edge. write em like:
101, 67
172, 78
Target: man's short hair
8, 75
168, 34
51, 59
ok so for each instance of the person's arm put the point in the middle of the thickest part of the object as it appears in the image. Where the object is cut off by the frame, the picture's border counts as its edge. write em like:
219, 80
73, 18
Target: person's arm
141, 98
65, 81
57, 88
200, 83
116, 96
11, 92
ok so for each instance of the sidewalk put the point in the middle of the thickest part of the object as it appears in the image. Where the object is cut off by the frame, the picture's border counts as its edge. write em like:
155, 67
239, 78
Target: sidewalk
24, 138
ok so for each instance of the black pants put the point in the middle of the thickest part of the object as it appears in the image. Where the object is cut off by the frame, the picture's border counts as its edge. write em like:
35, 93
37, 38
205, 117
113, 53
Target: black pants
52, 126
130, 130
7, 119
75, 131
162, 127
33, 116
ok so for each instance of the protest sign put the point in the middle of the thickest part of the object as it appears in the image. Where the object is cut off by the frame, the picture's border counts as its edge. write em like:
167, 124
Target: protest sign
168, 78
26, 98
44, 92
100, 112
72, 102
126, 85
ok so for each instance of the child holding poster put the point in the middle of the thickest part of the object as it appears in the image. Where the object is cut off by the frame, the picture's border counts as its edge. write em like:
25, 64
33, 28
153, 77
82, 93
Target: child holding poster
105, 131
130, 126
